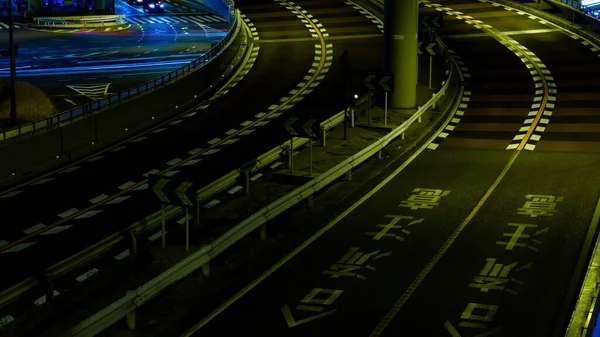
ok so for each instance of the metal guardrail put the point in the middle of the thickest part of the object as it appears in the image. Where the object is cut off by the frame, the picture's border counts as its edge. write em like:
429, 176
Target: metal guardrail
591, 311
154, 220
87, 110
135, 299
590, 10
79, 21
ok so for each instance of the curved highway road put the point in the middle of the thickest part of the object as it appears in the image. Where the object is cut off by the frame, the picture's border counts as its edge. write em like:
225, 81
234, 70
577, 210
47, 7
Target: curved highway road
292, 73
480, 234
76, 66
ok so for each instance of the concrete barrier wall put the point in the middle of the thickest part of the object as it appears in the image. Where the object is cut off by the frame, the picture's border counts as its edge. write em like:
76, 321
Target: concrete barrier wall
33, 155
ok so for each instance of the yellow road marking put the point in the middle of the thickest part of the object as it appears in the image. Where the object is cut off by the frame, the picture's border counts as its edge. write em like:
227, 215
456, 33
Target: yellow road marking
131, 188
419, 279
444, 248
205, 320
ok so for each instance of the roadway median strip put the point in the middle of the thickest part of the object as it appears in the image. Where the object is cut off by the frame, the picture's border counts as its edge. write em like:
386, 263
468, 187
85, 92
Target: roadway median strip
259, 218
322, 63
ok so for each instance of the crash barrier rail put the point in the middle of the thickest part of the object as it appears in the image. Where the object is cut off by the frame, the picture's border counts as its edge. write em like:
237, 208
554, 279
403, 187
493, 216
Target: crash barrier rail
89, 109
135, 299
79, 21
586, 305
590, 7
155, 220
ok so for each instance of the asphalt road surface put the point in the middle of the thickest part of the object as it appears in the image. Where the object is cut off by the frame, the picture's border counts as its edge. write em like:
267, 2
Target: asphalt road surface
230, 133
77, 66
480, 234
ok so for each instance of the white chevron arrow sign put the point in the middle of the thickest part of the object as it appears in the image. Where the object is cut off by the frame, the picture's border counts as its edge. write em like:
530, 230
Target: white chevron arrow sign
368, 83
430, 48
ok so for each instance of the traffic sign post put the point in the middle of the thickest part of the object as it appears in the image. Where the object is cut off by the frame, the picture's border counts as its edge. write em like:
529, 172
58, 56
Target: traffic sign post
380, 83
305, 128
428, 48
174, 192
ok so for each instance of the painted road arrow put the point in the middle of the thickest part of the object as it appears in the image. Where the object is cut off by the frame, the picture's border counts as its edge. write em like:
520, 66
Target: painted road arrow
292, 322
180, 192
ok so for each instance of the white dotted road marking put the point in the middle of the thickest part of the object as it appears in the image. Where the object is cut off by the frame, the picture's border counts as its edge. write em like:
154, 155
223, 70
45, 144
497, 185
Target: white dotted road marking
56, 230
10, 194
4, 321
118, 148
235, 189
211, 151
364, 12
543, 72
154, 171
42, 299
173, 161
19, 247
42, 181
68, 213
156, 235
461, 107
194, 151
98, 198
118, 200
33, 228
87, 275
126, 185
93, 159
192, 162
211, 204
122, 255
70, 169
88, 214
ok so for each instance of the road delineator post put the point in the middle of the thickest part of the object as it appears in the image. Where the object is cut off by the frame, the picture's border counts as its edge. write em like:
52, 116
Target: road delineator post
131, 315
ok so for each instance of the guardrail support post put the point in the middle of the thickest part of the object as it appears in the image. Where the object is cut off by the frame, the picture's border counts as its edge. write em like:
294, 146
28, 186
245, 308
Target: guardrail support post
162, 211
323, 137
263, 232
247, 182
352, 117
291, 155
130, 316
50, 288
206, 270
349, 175
310, 157
311, 201
133, 243
187, 229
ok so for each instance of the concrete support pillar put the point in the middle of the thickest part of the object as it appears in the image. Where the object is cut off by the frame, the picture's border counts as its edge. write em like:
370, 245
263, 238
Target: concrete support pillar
400, 35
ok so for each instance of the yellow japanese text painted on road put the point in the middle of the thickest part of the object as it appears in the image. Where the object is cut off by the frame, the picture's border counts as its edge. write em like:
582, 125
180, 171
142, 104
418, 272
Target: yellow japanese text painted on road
317, 300
497, 276
530, 241
540, 205
393, 224
424, 198
351, 263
